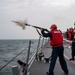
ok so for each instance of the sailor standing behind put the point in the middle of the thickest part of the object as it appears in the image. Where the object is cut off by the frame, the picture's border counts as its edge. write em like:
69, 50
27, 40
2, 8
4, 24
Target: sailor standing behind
72, 43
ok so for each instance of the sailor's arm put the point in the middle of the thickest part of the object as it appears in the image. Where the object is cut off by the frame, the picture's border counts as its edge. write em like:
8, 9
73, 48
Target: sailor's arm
46, 33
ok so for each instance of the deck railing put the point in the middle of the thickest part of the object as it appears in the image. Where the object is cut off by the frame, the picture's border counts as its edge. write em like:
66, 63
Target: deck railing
29, 61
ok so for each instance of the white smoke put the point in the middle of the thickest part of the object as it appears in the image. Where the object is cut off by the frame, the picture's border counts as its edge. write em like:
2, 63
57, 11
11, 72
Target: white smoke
21, 23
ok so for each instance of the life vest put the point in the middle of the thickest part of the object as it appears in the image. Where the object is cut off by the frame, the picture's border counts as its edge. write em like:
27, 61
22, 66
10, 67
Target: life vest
69, 35
57, 38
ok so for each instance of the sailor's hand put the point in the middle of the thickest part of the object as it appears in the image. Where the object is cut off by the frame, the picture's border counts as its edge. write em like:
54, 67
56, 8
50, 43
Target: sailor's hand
70, 43
46, 30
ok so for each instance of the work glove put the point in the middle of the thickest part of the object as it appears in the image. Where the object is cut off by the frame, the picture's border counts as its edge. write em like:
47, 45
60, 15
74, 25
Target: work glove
46, 30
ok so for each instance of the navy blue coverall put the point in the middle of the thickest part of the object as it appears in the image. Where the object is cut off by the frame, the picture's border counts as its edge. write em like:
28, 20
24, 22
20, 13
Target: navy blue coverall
56, 52
73, 50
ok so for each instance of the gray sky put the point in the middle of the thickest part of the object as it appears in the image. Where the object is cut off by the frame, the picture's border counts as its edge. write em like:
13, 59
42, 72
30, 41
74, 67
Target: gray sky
41, 13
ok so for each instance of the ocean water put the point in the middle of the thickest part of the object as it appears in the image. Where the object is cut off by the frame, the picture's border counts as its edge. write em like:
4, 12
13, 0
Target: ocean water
10, 48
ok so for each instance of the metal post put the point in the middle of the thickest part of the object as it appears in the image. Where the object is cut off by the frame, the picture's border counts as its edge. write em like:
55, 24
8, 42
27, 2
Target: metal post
42, 42
38, 47
15, 70
26, 68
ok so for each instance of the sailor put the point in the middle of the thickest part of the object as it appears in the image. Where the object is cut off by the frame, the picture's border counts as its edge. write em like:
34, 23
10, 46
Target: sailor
72, 43
56, 41
69, 34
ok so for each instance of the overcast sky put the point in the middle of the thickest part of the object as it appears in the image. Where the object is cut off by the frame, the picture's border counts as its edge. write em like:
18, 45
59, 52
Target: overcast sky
41, 13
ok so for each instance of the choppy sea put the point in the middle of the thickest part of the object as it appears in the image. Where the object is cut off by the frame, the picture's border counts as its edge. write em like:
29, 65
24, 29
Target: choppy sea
11, 48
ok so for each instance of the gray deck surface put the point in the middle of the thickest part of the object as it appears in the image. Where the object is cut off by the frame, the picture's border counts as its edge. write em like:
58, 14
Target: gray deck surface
40, 68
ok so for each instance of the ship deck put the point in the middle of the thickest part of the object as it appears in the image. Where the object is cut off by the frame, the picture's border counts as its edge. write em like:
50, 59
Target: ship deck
40, 67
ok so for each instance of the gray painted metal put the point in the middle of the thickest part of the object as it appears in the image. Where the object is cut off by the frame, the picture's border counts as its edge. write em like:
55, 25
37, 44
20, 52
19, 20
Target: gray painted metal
15, 70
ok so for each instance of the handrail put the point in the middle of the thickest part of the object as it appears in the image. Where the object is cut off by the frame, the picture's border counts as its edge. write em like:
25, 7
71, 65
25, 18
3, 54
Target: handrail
38, 46
34, 56
29, 61
25, 68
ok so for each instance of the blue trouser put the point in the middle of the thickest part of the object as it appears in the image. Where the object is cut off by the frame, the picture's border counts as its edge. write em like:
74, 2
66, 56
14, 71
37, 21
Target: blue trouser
58, 51
73, 49
73, 52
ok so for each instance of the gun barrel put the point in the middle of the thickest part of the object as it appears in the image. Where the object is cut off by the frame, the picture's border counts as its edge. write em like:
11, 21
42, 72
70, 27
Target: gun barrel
34, 26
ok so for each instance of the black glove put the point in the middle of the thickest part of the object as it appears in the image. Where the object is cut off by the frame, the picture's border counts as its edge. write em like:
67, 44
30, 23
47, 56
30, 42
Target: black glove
46, 30
43, 30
